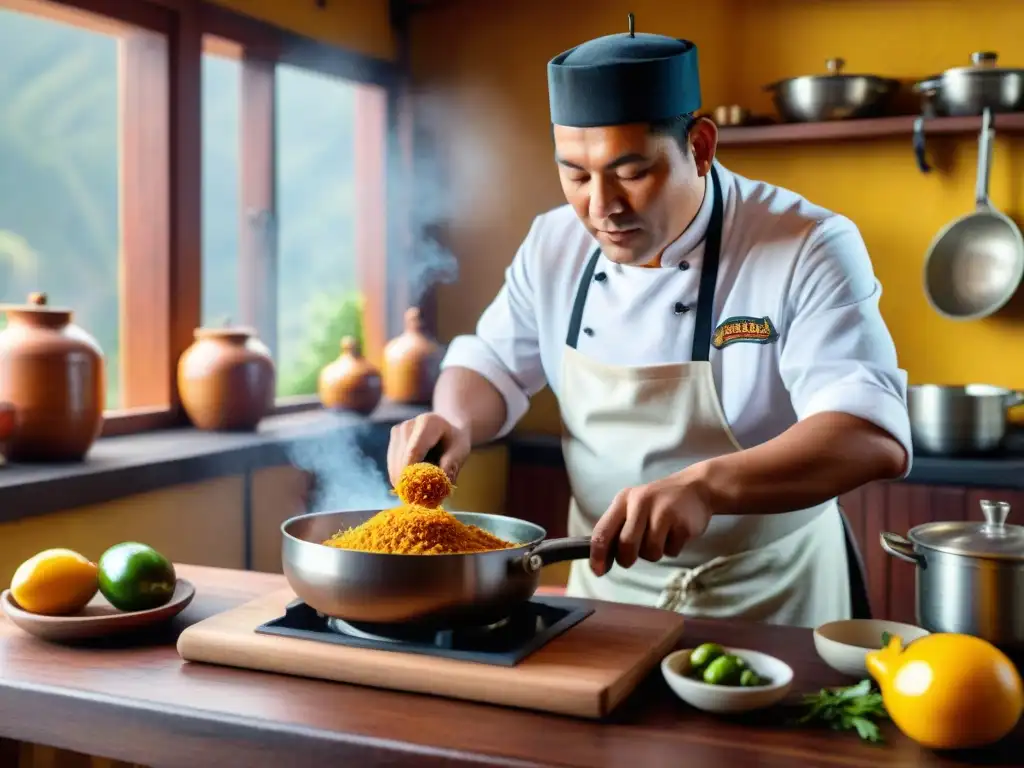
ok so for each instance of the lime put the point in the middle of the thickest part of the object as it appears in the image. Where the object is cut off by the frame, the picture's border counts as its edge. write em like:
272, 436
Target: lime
704, 654
749, 679
135, 577
725, 670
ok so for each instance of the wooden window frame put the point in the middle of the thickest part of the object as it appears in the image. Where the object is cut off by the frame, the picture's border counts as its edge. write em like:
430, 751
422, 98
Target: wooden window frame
161, 184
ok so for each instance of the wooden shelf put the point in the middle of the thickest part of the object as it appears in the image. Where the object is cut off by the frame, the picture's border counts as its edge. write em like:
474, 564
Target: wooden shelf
853, 130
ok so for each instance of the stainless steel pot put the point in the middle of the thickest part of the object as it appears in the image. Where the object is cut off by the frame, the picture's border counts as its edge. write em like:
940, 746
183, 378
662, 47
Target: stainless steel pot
964, 91
835, 96
442, 590
952, 421
976, 263
969, 575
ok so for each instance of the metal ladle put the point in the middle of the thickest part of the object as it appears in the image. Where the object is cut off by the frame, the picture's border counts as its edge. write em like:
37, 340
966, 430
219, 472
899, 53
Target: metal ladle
975, 264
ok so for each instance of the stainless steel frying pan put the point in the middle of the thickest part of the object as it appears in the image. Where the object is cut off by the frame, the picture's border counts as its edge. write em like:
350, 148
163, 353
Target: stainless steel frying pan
976, 263
445, 590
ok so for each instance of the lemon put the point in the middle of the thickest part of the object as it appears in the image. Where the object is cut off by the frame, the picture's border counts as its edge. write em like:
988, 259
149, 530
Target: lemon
55, 582
948, 691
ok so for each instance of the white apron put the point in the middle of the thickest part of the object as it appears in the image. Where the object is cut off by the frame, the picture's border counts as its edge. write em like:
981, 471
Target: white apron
628, 426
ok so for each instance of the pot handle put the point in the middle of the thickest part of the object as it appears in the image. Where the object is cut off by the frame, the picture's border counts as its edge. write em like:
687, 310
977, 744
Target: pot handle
551, 551
900, 548
1015, 398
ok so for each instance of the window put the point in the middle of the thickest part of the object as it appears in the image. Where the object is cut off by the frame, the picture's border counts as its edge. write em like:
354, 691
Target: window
222, 114
240, 179
318, 298
77, 180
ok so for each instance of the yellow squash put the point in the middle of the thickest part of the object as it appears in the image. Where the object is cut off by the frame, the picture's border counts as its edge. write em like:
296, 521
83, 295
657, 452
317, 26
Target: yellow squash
948, 691
55, 582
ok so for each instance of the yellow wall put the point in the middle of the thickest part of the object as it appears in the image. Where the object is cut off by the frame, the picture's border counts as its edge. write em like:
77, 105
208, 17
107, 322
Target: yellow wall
359, 25
480, 68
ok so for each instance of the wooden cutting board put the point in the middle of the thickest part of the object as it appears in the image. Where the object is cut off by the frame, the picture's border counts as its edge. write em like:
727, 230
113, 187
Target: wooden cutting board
586, 672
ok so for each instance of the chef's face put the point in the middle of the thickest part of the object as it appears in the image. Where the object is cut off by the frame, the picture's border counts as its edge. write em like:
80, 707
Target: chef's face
634, 189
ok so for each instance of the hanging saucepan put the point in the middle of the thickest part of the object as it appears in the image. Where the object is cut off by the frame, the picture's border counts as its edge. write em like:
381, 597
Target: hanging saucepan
975, 264
965, 92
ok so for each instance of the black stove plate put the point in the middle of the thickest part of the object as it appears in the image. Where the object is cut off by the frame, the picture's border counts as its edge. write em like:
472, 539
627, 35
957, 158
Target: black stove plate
538, 621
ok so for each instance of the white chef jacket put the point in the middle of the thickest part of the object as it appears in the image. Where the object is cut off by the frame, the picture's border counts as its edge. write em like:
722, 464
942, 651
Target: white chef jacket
803, 267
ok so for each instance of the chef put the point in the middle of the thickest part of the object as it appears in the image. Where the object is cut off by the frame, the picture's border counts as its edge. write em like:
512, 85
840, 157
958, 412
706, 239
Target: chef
715, 344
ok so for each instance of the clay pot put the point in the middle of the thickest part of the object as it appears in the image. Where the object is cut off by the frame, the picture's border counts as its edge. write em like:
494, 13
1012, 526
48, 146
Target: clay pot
226, 379
412, 363
52, 376
350, 383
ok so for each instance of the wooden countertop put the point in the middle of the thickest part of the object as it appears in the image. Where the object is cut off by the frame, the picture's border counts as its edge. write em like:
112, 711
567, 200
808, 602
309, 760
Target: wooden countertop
140, 703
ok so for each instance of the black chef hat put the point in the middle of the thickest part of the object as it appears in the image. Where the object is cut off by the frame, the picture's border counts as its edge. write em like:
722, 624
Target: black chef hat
622, 79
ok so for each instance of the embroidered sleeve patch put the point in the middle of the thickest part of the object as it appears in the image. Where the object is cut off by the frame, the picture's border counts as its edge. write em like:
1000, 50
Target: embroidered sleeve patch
754, 330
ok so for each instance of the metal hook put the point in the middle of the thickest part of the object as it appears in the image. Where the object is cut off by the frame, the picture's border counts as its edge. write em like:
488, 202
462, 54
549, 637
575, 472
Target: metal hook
632, 28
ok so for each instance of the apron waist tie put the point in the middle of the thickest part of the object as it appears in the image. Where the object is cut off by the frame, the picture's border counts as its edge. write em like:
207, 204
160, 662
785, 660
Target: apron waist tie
686, 583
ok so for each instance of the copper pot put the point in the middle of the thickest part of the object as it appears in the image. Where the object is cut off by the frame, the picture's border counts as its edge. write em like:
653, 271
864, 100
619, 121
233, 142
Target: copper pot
52, 375
226, 379
412, 363
350, 383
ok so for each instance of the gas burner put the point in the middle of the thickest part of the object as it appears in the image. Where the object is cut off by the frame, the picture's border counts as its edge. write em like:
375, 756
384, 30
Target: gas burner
401, 634
504, 643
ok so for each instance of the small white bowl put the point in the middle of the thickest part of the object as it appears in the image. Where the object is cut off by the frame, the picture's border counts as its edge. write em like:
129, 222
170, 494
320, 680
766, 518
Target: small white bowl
729, 699
844, 645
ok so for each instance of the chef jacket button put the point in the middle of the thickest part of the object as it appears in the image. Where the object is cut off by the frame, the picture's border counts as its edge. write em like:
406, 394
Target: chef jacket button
600, 277
684, 265
680, 308
588, 331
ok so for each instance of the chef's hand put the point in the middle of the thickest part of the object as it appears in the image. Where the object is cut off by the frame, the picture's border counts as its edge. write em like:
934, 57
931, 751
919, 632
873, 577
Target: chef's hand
411, 440
649, 521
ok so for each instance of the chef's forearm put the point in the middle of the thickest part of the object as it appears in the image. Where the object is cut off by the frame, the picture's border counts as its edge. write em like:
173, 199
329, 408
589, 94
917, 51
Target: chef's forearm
816, 459
469, 401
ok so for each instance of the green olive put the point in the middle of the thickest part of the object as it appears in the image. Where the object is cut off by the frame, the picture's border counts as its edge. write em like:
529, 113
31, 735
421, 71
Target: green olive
724, 670
703, 655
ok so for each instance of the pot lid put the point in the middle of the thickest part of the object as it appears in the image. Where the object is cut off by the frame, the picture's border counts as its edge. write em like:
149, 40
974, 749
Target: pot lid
982, 63
992, 539
835, 69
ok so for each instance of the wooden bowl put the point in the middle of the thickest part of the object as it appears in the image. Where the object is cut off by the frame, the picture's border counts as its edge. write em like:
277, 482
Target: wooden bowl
98, 619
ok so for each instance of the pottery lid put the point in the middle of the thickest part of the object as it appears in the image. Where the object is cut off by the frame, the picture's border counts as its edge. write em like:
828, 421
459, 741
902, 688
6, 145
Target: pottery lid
993, 539
226, 331
37, 304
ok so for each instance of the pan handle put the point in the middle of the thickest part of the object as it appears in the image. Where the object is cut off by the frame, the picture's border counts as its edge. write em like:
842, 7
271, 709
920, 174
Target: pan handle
551, 551
985, 141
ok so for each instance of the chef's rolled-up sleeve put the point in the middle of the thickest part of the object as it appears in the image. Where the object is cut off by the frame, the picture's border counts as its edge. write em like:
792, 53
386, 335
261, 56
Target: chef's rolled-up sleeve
505, 349
837, 353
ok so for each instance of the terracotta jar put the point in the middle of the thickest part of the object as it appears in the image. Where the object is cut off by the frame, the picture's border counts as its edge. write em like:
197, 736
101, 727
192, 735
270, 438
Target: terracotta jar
350, 383
52, 375
412, 362
226, 379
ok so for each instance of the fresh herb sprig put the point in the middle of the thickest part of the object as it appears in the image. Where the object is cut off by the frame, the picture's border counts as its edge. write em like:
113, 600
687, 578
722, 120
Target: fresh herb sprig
854, 708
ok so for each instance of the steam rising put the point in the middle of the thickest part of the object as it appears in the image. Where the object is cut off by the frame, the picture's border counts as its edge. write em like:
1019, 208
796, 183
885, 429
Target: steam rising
421, 210
346, 478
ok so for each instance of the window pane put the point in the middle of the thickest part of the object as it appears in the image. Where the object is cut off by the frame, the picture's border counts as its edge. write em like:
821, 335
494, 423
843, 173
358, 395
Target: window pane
59, 185
317, 290
222, 83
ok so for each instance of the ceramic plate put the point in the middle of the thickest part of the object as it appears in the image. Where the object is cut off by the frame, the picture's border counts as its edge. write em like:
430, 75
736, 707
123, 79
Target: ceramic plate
98, 619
